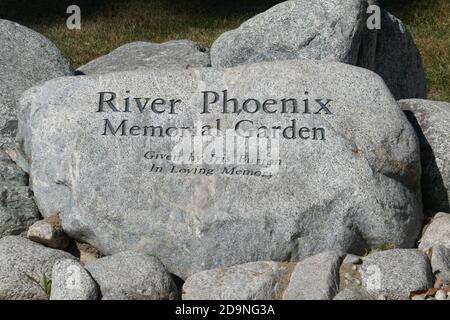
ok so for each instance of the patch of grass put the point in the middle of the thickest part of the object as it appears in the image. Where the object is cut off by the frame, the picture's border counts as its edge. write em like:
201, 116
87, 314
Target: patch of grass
107, 24
45, 285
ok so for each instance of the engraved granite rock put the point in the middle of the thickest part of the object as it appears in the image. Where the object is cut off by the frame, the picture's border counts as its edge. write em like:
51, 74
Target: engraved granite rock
346, 177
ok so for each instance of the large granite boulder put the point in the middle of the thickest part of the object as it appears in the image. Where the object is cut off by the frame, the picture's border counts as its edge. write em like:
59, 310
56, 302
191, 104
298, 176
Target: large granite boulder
24, 268
135, 55
331, 30
431, 120
26, 58
17, 208
346, 178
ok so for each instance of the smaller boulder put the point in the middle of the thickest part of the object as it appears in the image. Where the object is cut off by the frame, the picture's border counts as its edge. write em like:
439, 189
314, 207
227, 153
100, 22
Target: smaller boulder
440, 262
431, 121
17, 210
131, 275
260, 280
396, 273
437, 232
315, 278
440, 295
331, 30
27, 58
70, 281
49, 232
135, 55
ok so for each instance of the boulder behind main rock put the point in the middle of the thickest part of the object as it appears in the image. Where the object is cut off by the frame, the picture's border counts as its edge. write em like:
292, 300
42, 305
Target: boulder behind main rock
331, 30
431, 120
26, 58
132, 56
356, 188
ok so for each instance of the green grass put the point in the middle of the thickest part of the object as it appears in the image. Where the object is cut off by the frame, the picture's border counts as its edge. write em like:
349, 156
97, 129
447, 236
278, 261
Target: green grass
45, 284
109, 24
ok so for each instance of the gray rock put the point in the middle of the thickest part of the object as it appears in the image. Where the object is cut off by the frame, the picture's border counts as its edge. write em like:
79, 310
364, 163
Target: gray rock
49, 232
396, 273
293, 30
397, 59
260, 280
431, 121
440, 262
132, 276
355, 293
70, 281
331, 30
26, 58
8, 110
315, 278
10, 174
352, 186
437, 232
22, 264
17, 208
440, 295
135, 55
